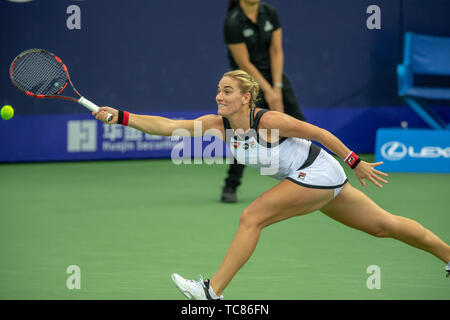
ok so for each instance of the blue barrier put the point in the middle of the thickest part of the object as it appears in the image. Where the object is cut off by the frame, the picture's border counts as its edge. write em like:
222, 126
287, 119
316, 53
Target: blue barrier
413, 150
71, 137
80, 137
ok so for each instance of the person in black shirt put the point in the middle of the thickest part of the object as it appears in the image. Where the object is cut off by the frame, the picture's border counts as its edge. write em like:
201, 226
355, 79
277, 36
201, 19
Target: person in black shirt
254, 39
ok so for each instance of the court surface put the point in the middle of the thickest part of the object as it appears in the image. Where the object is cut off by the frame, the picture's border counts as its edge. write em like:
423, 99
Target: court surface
129, 224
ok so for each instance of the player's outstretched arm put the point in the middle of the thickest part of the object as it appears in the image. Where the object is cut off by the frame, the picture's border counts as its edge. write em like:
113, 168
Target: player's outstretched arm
161, 126
291, 127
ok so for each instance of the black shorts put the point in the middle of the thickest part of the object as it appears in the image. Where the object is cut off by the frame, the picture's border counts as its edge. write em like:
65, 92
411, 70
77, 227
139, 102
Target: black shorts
290, 101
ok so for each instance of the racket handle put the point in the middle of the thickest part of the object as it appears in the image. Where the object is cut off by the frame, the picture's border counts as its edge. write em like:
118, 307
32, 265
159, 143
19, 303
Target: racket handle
92, 106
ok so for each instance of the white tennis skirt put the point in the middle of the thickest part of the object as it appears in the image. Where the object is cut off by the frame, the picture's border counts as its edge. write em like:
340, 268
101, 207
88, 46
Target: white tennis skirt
324, 173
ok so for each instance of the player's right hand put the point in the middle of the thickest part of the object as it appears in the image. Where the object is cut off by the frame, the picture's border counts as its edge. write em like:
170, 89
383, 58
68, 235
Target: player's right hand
103, 112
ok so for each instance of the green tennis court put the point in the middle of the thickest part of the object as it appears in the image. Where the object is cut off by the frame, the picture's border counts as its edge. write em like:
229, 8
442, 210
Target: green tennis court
129, 224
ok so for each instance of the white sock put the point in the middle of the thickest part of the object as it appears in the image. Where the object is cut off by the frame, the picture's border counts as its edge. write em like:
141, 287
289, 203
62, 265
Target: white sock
212, 293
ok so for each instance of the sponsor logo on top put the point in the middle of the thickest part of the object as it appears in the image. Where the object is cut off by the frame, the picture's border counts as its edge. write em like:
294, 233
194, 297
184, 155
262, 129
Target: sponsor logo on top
395, 150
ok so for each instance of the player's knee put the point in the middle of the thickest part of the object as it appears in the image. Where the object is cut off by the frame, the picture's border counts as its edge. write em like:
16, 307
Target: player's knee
250, 219
384, 228
379, 233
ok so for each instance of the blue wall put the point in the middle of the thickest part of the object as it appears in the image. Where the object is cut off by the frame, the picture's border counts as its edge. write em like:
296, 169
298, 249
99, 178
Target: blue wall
153, 56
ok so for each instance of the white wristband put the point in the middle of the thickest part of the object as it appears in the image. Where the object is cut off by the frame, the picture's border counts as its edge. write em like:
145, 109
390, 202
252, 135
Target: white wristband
279, 85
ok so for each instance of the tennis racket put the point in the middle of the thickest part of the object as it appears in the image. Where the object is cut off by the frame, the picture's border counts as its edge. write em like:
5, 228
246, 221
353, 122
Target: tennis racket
40, 74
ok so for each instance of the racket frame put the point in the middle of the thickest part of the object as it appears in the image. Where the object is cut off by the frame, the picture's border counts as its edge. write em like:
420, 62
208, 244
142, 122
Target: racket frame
82, 100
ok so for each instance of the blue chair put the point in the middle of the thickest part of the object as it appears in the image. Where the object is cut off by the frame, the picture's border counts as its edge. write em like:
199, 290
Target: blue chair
430, 56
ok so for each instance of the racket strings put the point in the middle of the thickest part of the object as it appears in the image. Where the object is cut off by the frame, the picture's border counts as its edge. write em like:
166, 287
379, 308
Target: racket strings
39, 73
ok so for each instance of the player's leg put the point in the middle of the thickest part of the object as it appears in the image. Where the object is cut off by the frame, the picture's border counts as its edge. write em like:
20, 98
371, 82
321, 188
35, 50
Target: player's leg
281, 202
354, 209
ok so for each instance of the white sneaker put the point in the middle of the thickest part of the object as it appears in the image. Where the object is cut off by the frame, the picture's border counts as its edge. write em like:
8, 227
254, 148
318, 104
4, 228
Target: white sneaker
193, 290
447, 268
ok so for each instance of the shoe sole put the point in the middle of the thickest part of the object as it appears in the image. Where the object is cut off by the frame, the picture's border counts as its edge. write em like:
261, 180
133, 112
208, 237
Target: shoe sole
228, 201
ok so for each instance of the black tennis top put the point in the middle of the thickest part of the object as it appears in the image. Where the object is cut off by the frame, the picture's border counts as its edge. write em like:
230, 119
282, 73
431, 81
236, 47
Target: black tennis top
239, 28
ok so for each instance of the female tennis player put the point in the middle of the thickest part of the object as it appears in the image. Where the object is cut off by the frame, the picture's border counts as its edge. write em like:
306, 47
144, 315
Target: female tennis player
311, 179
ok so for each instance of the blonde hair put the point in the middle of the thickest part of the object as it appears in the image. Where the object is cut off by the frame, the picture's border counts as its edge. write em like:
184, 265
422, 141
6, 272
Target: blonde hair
246, 84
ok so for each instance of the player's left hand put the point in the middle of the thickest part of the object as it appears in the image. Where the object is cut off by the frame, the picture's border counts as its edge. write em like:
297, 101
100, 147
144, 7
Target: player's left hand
365, 170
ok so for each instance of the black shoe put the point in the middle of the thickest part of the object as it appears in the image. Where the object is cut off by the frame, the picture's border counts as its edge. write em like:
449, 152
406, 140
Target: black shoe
228, 195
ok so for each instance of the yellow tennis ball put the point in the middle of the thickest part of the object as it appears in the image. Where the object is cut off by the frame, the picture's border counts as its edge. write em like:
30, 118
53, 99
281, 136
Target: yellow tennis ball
7, 112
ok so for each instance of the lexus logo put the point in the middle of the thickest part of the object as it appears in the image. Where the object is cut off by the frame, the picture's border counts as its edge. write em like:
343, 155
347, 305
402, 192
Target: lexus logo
393, 150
